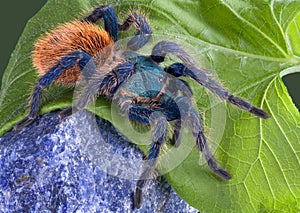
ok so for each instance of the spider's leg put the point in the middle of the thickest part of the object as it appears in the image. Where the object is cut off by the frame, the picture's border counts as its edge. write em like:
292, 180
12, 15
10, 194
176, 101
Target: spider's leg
188, 115
111, 25
106, 12
184, 87
162, 48
104, 85
199, 75
143, 31
180, 115
158, 120
197, 130
177, 133
84, 62
91, 90
191, 116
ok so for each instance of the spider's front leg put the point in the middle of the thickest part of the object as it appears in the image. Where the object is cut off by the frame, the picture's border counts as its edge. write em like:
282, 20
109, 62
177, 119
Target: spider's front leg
188, 69
196, 74
182, 112
84, 61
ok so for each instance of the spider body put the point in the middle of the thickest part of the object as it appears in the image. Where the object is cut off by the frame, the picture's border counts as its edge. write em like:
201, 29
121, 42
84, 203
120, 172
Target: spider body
145, 91
156, 93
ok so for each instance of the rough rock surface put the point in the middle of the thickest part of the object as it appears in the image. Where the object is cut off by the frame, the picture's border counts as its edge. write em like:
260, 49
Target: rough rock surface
70, 166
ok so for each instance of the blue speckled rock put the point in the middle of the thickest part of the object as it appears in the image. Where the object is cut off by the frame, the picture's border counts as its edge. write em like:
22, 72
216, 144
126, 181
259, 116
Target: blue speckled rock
68, 167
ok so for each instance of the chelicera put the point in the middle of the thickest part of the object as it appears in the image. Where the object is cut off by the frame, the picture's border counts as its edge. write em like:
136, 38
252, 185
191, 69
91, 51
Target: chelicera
81, 48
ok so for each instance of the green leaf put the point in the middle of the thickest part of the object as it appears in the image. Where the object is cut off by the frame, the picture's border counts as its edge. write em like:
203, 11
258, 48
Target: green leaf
293, 35
248, 46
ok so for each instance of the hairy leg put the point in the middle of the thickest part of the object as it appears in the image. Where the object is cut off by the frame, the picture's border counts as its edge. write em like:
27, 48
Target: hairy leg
189, 69
159, 123
190, 116
143, 31
96, 85
179, 69
106, 12
112, 26
197, 130
85, 63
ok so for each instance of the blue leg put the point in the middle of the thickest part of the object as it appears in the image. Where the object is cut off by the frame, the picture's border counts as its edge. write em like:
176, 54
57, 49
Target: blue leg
179, 110
197, 130
198, 74
105, 85
179, 69
144, 31
162, 48
177, 133
111, 25
85, 63
184, 87
184, 106
158, 120
106, 12
190, 116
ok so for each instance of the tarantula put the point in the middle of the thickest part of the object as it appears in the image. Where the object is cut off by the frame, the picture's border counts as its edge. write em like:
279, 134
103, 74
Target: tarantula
154, 98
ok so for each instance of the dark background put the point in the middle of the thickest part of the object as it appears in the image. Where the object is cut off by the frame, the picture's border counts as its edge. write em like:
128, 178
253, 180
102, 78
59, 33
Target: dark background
14, 15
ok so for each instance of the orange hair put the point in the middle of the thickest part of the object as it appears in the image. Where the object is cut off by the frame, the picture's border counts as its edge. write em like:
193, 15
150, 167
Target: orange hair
65, 39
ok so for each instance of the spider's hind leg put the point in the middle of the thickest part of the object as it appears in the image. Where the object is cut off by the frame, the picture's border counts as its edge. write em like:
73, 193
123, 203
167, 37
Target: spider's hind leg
112, 26
143, 31
108, 13
66, 62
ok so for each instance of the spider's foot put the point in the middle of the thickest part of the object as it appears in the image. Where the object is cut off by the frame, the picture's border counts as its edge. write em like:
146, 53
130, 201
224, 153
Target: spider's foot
248, 107
259, 113
138, 198
222, 173
25, 122
65, 113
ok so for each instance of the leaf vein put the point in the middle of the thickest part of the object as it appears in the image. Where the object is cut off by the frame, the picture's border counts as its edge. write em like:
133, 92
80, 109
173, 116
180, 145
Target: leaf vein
255, 28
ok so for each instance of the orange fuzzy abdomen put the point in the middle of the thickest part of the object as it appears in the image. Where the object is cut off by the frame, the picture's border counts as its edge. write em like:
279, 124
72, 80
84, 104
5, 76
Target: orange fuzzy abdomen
65, 39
